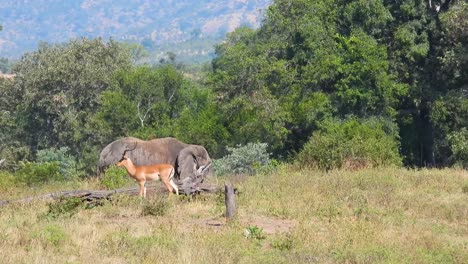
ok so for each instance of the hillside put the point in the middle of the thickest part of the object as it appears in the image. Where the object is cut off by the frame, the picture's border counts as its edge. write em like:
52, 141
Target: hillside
150, 23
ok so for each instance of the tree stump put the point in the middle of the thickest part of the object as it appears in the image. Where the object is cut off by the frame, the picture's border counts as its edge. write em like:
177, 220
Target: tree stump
230, 201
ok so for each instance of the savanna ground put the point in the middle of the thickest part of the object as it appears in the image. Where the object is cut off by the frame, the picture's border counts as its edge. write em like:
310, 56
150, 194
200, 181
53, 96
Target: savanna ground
368, 216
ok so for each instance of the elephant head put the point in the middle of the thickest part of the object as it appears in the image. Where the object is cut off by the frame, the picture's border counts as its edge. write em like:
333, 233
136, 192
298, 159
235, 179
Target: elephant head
192, 162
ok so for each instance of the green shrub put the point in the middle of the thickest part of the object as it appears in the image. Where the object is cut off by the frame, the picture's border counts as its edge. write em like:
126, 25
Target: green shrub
254, 232
115, 178
459, 145
52, 165
66, 163
351, 144
156, 207
250, 159
32, 173
283, 244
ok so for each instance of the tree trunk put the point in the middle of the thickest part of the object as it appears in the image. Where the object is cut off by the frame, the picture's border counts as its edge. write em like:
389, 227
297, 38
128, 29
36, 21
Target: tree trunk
427, 138
90, 196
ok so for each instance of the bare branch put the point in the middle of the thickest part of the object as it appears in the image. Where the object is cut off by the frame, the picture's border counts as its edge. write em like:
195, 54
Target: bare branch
142, 118
170, 97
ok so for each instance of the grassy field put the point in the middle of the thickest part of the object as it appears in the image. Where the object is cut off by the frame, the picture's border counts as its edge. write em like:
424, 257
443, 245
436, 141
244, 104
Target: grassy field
368, 216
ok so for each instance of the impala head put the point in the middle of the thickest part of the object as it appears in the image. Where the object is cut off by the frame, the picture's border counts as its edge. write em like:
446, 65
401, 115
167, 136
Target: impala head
125, 158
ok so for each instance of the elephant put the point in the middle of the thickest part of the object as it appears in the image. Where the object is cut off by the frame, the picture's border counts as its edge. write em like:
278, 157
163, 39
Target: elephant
192, 162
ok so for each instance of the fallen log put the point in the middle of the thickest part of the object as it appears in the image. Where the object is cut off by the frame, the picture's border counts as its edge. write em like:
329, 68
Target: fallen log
98, 195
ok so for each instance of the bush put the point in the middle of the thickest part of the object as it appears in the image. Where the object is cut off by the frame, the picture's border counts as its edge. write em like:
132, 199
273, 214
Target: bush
156, 207
254, 232
459, 145
66, 163
250, 159
115, 178
32, 173
52, 165
351, 144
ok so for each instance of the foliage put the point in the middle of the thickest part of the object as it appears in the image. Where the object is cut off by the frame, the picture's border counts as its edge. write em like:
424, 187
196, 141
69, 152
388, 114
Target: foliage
449, 116
350, 144
64, 207
303, 51
147, 102
283, 244
249, 159
115, 178
199, 121
12, 148
459, 145
58, 87
141, 99
67, 164
32, 173
254, 232
51, 165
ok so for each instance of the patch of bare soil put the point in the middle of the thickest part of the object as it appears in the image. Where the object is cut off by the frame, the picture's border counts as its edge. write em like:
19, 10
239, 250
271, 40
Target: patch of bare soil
271, 225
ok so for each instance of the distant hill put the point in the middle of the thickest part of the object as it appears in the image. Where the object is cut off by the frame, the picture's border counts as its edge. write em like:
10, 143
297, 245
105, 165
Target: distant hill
189, 28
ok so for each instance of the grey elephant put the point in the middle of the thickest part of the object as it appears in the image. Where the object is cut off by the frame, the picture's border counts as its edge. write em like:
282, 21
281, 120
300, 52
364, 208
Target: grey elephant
192, 162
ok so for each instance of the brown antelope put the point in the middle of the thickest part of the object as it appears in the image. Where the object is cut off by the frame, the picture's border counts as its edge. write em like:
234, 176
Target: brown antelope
142, 174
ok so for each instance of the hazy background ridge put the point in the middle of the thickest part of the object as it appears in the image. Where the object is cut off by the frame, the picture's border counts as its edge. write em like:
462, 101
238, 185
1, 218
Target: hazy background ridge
159, 26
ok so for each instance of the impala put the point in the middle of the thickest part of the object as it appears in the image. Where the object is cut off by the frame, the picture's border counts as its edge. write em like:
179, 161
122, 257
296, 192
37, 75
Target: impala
142, 174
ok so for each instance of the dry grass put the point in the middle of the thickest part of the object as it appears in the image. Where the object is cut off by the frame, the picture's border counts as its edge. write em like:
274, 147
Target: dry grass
368, 216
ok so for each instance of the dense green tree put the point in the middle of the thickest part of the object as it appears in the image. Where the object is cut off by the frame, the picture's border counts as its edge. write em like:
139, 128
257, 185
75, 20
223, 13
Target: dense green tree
199, 120
423, 41
139, 97
57, 89
12, 149
251, 112
304, 50
157, 102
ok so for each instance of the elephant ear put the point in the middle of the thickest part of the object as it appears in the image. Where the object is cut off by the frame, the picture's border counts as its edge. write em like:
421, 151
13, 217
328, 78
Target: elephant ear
193, 164
113, 152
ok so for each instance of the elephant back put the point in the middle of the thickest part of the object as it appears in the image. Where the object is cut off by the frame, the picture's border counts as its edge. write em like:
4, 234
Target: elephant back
156, 151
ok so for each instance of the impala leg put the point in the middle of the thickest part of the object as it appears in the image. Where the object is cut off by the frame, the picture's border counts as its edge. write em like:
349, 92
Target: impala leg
174, 186
142, 188
168, 185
